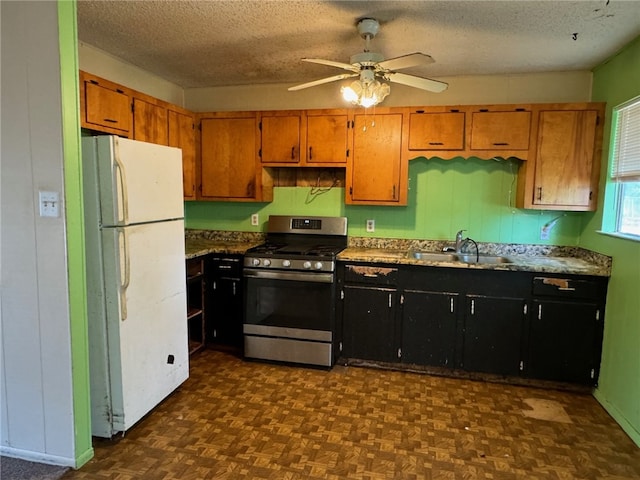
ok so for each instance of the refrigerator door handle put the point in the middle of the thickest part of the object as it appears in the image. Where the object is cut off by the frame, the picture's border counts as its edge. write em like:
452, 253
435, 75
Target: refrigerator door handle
124, 282
124, 194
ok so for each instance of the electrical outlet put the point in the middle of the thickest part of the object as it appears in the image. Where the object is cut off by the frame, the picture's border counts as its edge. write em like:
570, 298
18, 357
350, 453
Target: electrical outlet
49, 204
371, 225
255, 219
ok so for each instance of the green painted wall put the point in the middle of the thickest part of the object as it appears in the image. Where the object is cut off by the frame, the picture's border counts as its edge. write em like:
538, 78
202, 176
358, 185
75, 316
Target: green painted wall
615, 82
444, 197
68, 37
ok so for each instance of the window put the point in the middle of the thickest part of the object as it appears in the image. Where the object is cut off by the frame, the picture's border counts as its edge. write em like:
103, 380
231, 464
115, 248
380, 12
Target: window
625, 167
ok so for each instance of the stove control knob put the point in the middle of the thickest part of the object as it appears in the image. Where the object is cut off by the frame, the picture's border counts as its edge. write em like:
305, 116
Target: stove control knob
266, 262
306, 264
286, 263
318, 265
255, 262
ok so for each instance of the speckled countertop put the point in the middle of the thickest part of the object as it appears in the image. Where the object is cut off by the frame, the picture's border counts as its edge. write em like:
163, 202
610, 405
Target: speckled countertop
203, 242
532, 258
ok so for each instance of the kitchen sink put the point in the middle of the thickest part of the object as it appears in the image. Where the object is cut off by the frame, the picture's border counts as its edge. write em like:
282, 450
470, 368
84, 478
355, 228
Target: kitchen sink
433, 256
473, 258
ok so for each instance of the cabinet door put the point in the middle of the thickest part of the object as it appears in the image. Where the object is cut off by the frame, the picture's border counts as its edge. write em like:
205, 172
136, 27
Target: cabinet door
182, 135
500, 130
564, 342
224, 324
493, 334
429, 328
150, 122
280, 139
369, 330
376, 164
564, 160
228, 154
106, 107
436, 131
327, 139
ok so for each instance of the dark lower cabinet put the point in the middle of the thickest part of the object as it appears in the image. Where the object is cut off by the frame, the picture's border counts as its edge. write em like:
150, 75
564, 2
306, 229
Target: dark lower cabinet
225, 301
369, 327
493, 334
429, 327
564, 341
499, 322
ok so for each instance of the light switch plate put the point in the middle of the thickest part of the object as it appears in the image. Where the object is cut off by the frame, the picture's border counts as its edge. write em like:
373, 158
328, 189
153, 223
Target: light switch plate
49, 204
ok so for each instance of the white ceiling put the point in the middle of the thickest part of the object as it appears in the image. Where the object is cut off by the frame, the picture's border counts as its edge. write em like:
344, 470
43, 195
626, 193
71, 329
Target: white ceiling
218, 42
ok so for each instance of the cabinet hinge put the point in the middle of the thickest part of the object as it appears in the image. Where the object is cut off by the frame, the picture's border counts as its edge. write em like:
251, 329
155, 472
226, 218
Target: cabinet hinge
215, 333
95, 82
214, 285
348, 151
133, 108
260, 126
350, 190
451, 304
473, 307
260, 153
597, 119
399, 353
340, 346
402, 299
389, 300
597, 315
524, 310
341, 294
234, 288
540, 312
593, 373
521, 365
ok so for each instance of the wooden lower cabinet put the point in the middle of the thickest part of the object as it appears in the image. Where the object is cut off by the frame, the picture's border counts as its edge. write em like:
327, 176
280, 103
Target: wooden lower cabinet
196, 308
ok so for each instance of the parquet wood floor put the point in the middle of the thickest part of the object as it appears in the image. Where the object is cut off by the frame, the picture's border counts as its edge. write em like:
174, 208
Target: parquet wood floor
244, 420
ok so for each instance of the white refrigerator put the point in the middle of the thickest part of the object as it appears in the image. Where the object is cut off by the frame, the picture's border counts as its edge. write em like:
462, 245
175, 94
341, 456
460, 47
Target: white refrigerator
136, 289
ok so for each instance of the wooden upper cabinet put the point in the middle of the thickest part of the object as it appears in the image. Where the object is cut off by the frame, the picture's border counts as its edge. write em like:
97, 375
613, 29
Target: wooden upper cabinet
182, 135
327, 139
150, 122
104, 106
564, 163
229, 164
280, 137
375, 173
436, 131
495, 131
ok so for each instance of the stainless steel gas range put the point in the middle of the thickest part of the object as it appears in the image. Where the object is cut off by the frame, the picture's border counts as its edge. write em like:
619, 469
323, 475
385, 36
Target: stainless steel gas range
290, 291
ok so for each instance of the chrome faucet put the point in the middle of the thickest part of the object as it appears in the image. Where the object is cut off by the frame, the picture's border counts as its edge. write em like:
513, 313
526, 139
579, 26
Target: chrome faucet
459, 241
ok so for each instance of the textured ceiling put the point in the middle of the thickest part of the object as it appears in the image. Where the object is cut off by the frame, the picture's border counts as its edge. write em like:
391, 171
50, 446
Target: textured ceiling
215, 43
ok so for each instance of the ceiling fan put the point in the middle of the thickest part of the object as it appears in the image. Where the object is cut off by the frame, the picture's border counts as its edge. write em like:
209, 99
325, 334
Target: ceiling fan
371, 67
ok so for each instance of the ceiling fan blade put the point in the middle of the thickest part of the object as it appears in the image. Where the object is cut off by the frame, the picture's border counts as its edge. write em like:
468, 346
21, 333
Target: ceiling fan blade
405, 61
416, 82
342, 76
331, 63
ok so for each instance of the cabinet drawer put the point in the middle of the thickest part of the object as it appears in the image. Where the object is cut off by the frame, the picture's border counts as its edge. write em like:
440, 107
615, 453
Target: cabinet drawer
370, 274
226, 267
566, 287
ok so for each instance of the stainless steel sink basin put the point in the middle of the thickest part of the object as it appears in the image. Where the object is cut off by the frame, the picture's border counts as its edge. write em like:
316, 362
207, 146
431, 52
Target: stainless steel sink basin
433, 256
473, 258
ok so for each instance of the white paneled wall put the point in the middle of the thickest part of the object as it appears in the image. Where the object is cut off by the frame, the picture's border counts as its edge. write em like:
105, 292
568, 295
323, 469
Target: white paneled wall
37, 398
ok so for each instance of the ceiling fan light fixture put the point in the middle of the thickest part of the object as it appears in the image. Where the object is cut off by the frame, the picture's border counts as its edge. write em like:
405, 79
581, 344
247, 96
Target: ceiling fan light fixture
365, 94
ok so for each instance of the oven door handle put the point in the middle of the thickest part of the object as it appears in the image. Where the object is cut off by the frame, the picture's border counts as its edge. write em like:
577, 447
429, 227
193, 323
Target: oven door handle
315, 277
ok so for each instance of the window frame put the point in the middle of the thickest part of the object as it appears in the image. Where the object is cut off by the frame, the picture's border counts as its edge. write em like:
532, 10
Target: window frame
612, 216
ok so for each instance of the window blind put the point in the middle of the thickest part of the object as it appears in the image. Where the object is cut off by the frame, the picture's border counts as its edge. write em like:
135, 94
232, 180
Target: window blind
626, 147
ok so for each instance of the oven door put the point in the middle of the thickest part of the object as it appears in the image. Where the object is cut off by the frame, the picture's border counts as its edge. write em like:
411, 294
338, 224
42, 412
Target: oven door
289, 316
